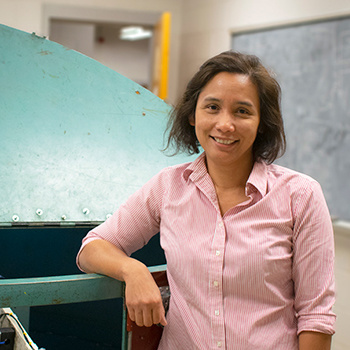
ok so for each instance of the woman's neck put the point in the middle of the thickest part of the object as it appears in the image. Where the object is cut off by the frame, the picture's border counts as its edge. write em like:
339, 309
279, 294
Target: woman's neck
230, 176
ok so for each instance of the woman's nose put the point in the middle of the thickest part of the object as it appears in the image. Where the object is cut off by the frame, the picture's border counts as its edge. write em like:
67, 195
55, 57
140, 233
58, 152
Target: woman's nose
225, 122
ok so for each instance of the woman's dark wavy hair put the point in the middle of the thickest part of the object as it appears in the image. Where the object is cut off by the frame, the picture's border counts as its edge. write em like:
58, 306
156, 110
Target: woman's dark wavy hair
270, 142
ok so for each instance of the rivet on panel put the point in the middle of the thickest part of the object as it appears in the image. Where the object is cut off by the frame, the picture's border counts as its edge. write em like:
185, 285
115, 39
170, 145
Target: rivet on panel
15, 218
39, 212
63, 217
86, 211
108, 216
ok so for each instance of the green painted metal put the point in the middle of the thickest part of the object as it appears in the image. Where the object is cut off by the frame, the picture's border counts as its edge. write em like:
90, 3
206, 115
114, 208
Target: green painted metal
58, 290
124, 344
64, 290
157, 268
74, 134
61, 289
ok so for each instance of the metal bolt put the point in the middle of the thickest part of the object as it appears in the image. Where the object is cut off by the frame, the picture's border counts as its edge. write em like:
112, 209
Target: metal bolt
15, 218
86, 211
39, 212
63, 217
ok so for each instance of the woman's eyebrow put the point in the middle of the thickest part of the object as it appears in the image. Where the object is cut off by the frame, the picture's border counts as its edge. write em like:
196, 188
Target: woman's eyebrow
245, 103
215, 99
212, 99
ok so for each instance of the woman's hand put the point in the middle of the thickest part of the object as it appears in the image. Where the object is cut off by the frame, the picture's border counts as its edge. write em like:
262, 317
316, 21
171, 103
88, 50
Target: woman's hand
142, 296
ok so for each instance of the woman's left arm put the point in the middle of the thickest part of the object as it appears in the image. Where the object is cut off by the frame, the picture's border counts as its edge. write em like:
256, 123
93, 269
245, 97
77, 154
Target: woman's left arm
314, 341
313, 266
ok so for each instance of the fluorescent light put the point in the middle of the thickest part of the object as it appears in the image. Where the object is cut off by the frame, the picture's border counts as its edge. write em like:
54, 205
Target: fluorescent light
134, 33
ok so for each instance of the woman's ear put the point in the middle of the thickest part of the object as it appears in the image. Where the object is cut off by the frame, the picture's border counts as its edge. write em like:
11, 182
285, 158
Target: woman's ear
191, 120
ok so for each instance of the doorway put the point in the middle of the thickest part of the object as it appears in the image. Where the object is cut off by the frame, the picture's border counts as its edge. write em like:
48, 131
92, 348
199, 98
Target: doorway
95, 33
101, 41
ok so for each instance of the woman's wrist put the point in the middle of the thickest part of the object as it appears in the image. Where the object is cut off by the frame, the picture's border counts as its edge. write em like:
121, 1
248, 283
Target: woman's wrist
131, 268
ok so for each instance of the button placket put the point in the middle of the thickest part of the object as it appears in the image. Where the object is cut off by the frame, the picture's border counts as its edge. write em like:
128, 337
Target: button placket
215, 275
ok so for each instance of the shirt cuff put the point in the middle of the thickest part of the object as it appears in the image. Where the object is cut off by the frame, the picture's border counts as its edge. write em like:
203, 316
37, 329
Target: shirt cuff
317, 323
86, 240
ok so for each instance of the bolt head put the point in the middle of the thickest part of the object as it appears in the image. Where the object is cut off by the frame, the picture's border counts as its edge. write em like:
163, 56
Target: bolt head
86, 211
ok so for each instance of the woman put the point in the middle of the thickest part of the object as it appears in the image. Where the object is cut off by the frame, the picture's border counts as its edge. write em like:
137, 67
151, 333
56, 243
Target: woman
249, 244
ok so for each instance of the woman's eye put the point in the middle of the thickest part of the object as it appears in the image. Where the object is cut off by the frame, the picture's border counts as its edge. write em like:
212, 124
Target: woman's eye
242, 111
213, 107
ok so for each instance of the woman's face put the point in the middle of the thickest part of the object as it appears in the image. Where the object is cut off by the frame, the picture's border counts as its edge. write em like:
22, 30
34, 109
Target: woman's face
227, 118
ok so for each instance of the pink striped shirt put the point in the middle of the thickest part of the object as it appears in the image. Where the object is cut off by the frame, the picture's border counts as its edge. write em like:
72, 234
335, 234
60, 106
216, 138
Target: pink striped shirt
251, 279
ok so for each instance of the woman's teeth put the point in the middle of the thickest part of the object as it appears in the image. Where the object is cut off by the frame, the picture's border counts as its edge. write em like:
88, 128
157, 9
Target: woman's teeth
224, 142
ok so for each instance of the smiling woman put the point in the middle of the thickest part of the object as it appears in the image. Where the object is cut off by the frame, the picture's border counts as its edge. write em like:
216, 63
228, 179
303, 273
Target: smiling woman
249, 244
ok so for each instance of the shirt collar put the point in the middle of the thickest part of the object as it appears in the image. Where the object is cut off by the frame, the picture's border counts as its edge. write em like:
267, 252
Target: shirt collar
257, 178
197, 169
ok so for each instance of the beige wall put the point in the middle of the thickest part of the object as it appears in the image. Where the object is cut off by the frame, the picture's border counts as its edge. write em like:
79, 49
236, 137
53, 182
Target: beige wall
341, 339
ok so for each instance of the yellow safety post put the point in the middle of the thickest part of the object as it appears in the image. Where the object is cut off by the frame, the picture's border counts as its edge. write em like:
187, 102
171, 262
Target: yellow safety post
161, 56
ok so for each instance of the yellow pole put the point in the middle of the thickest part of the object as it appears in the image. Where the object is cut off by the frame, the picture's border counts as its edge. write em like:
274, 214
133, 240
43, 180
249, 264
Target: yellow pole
165, 51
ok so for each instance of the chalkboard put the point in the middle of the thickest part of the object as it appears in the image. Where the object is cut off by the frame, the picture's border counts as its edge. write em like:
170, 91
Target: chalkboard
312, 64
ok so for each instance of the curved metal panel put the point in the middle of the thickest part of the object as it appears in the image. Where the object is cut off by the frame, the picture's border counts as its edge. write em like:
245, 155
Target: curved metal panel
76, 137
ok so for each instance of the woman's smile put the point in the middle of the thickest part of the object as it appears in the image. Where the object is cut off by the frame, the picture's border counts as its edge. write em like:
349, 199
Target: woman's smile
223, 141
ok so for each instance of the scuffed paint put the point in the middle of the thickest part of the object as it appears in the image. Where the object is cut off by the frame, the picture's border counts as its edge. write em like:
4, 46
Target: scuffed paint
45, 52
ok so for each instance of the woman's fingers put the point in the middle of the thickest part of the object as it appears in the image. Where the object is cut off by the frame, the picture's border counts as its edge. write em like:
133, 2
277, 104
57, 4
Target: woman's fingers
147, 316
139, 318
143, 298
159, 316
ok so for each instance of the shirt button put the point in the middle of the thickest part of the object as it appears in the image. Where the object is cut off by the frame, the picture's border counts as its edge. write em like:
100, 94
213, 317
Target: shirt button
219, 344
221, 224
217, 253
217, 312
216, 283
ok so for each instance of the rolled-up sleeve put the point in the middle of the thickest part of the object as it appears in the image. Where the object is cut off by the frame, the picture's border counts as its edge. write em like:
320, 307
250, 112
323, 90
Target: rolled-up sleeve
313, 261
136, 221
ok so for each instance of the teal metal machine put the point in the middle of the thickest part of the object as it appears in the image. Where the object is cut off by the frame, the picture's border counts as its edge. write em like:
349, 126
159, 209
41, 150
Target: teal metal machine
76, 139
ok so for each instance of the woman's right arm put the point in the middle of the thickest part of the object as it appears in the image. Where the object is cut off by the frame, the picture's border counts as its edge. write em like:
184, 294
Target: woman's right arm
142, 295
